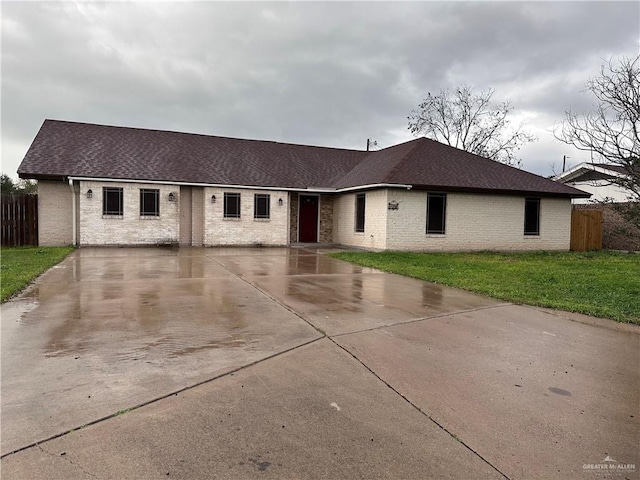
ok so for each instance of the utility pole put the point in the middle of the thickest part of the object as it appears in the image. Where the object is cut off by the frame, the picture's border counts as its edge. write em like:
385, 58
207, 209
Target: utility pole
371, 144
564, 162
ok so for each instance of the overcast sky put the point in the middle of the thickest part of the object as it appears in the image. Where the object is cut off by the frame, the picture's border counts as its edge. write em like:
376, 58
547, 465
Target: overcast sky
331, 74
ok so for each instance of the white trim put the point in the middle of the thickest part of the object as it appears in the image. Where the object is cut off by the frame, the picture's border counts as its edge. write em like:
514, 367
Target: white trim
246, 187
374, 185
585, 167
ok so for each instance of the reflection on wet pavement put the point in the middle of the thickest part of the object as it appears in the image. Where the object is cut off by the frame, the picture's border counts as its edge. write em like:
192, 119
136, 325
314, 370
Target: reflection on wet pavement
289, 265
100, 333
340, 304
110, 328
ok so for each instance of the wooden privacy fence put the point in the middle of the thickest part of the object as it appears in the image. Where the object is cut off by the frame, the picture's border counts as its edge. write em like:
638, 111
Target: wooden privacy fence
19, 220
586, 230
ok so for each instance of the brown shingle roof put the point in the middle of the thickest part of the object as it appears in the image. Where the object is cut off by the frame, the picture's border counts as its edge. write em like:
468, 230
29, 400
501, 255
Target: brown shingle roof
425, 163
63, 149
84, 150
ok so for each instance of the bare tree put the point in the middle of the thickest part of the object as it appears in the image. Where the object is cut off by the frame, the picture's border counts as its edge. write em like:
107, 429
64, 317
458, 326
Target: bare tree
472, 122
612, 130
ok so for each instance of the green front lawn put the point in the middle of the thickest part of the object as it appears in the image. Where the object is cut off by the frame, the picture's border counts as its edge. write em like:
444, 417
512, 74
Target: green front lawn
603, 284
21, 265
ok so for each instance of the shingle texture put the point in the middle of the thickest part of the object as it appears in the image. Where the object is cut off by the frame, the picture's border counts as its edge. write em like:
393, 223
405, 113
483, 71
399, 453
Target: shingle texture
63, 149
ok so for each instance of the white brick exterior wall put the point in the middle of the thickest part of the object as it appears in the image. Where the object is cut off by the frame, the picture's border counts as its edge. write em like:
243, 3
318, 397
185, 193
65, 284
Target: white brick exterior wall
245, 230
54, 214
477, 222
130, 228
473, 222
375, 220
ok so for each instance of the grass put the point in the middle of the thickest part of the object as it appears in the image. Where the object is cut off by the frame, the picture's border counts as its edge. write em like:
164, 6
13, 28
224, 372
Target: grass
21, 265
603, 284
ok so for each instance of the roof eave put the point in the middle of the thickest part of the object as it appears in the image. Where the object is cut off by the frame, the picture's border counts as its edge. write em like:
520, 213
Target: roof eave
37, 176
310, 189
581, 168
498, 191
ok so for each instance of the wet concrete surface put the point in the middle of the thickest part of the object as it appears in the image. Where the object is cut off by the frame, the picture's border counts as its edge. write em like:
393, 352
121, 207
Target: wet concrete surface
515, 390
339, 304
537, 397
298, 263
312, 413
98, 334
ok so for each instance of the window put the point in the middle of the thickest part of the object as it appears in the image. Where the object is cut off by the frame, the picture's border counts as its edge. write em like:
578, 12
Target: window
532, 216
261, 205
112, 201
149, 202
231, 205
436, 212
360, 205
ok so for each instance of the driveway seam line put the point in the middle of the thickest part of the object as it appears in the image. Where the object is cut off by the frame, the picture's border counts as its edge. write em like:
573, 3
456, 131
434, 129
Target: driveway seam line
273, 299
421, 319
291, 310
451, 434
369, 369
38, 443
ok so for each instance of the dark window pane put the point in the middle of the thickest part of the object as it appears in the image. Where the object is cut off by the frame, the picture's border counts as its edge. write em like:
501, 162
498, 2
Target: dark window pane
436, 212
532, 216
111, 201
261, 206
360, 206
149, 202
232, 205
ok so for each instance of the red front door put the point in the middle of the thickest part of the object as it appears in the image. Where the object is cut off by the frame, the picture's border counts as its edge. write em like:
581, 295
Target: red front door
308, 219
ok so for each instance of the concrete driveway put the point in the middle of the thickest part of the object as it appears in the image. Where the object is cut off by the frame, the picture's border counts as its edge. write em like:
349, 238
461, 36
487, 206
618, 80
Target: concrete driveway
284, 363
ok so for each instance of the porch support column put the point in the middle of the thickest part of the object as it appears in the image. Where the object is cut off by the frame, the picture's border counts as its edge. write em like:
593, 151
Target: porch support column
73, 212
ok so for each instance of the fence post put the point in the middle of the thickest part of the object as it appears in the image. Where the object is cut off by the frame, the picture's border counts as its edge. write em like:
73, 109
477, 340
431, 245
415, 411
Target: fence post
586, 230
19, 222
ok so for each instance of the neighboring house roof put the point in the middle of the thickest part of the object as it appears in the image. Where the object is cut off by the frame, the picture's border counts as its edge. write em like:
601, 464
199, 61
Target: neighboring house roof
67, 149
587, 171
607, 166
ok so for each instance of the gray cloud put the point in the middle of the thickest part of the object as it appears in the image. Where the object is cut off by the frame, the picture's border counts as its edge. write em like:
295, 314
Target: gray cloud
319, 73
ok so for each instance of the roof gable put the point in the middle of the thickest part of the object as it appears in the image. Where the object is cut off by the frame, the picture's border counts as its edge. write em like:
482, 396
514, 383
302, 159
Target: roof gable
378, 167
426, 163
439, 165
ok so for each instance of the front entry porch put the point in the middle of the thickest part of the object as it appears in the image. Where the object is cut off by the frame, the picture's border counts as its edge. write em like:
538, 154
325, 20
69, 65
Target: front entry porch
311, 218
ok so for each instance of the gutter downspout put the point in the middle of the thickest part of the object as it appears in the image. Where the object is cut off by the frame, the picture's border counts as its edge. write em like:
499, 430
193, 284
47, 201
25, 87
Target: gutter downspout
73, 212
